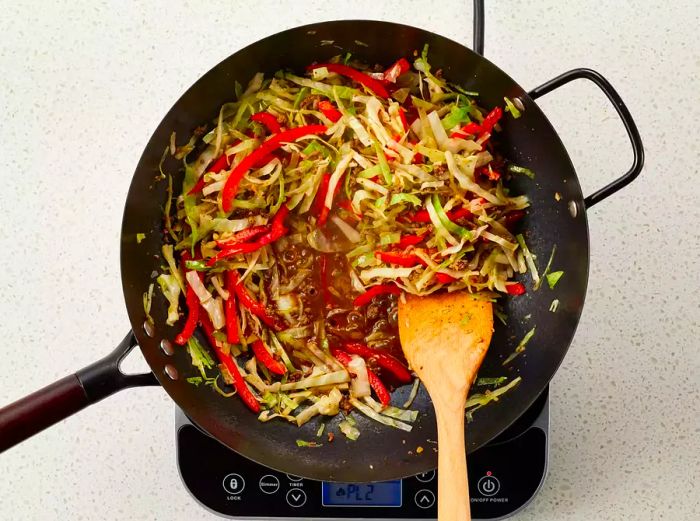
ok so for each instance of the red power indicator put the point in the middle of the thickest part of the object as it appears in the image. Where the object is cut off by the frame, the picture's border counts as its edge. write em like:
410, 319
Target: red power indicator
488, 472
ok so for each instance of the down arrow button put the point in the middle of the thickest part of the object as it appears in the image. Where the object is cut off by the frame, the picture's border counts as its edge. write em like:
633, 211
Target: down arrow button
296, 497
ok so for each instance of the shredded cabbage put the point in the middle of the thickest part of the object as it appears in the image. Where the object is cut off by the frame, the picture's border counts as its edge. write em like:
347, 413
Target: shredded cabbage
388, 192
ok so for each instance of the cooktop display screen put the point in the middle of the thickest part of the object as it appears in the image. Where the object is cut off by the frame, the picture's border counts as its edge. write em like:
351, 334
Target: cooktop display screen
384, 494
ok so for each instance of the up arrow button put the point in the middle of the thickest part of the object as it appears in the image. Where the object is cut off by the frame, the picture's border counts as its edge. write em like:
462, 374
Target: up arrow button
424, 498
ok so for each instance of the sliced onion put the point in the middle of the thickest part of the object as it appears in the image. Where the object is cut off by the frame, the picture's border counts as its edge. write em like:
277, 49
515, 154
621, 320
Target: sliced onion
360, 383
351, 233
295, 281
214, 306
438, 129
319, 242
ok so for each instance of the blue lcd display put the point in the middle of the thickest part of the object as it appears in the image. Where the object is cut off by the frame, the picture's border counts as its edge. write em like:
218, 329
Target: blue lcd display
384, 494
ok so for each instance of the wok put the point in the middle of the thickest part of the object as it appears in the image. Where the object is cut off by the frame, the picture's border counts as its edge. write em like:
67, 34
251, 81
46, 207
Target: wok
380, 453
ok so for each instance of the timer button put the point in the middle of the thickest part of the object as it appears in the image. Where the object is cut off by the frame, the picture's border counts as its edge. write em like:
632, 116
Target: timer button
292, 477
426, 477
234, 484
296, 497
424, 498
488, 485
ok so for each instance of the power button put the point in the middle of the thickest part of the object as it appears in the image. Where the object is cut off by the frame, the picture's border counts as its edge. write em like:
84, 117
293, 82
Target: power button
488, 485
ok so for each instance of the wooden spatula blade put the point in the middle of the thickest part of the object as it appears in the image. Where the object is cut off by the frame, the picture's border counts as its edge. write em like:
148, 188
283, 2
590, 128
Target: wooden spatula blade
447, 327
445, 338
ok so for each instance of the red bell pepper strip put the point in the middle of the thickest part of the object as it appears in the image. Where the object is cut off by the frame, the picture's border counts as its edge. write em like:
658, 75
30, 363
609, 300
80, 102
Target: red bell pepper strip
247, 247
277, 229
399, 67
407, 260
346, 205
243, 236
384, 360
444, 278
226, 359
192, 317
252, 305
513, 217
198, 186
268, 121
515, 289
410, 240
491, 119
491, 174
470, 128
374, 381
319, 200
378, 387
381, 289
323, 215
329, 110
219, 165
459, 213
232, 336
355, 75
216, 167
265, 358
271, 236
231, 187
422, 216
402, 116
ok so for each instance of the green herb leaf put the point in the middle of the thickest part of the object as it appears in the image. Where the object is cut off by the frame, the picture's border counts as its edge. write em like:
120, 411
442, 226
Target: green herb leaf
521, 170
465, 320
312, 444
553, 278
491, 381
510, 107
457, 116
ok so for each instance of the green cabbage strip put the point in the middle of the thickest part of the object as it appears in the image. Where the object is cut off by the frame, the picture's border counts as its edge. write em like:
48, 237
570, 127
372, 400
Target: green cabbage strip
520, 347
370, 413
477, 401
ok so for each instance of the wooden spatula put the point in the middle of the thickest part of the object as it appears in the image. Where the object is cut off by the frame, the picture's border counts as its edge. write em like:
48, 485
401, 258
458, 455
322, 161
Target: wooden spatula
445, 337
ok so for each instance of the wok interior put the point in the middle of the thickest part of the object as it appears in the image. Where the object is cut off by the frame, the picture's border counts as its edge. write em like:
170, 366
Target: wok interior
380, 453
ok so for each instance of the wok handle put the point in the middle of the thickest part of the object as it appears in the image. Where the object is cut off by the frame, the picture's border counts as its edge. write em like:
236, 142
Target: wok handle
478, 46
59, 400
625, 116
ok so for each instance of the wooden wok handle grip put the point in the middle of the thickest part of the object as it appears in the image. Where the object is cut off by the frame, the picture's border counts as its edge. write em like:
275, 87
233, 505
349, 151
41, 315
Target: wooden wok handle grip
453, 490
41, 409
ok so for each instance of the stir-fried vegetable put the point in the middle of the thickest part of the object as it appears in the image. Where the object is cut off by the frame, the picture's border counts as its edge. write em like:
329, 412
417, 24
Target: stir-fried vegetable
309, 206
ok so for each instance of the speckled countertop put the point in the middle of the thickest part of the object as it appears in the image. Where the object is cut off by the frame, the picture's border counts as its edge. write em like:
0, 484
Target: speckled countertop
85, 83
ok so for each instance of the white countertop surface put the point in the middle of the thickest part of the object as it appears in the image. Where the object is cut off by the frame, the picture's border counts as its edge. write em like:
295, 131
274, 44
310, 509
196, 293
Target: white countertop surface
85, 83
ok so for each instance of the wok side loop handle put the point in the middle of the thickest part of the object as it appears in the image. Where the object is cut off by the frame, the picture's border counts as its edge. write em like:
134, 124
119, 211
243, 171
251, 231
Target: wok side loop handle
104, 377
478, 46
34, 413
625, 116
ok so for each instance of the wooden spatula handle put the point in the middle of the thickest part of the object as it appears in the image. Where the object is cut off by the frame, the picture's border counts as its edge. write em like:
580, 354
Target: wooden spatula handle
453, 491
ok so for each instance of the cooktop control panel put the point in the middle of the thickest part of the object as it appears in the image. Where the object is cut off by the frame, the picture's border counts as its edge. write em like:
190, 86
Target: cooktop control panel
504, 476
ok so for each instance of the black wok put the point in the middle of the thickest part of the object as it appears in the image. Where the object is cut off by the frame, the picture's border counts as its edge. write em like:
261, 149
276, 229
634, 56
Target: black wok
381, 453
